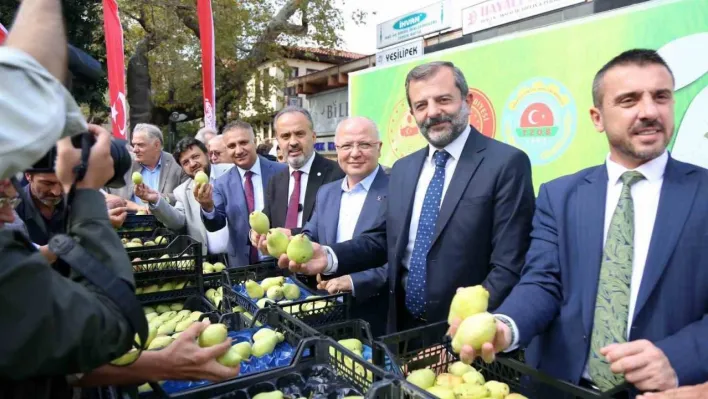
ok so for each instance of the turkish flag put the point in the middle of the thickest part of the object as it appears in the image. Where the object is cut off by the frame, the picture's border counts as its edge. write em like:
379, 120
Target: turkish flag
206, 36
3, 33
115, 60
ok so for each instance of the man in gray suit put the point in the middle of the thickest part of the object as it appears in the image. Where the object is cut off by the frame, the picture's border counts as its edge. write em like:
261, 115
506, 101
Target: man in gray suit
159, 169
185, 214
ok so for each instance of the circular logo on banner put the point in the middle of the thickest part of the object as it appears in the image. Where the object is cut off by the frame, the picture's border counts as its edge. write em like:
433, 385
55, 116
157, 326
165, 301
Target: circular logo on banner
209, 120
118, 114
402, 133
482, 115
540, 118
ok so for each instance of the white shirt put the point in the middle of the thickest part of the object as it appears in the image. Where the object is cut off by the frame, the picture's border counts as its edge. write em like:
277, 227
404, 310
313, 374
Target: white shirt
303, 185
351, 205
426, 175
645, 198
257, 179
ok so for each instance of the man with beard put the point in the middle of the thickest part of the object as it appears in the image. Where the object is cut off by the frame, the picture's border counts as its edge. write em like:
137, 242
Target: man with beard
615, 286
233, 196
459, 210
192, 156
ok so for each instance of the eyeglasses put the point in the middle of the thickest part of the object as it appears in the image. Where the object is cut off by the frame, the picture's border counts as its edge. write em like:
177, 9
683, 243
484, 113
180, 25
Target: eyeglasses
361, 146
13, 202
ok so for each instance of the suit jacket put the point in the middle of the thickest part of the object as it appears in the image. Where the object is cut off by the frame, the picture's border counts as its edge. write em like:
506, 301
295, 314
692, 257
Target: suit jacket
371, 301
481, 235
171, 176
186, 213
323, 171
230, 202
554, 303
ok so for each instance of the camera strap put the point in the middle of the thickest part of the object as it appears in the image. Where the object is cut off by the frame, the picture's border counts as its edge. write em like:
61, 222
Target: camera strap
116, 289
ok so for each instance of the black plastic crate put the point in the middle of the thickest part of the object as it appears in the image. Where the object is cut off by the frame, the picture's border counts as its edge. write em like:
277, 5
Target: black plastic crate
316, 358
429, 347
153, 235
138, 226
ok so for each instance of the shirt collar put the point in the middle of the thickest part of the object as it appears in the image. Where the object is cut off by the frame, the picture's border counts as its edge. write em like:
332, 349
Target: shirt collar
306, 167
454, 149
365, 183
653, 170
256, 168
157, 166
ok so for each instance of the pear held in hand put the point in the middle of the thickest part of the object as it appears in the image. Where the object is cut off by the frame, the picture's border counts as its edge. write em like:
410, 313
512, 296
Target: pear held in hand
276, 242
201, 178
300, 249
475, 331
259, 222
214, 334
137, 178
468, 301
231, 358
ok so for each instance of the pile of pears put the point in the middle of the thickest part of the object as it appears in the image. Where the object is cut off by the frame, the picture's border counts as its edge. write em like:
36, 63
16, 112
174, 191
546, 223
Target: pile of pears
217, 267
298, 248
167, 286
279, 395
357, 347
461, 381
215, 296
138, 243
185, 264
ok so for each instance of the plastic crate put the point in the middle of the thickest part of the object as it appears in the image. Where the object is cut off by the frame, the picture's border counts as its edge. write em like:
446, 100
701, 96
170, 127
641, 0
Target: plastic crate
429, 347
138, 226
331, 371
183, 265
168, 234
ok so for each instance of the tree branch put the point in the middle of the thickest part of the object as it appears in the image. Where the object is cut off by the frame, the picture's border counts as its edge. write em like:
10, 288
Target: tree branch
186, 15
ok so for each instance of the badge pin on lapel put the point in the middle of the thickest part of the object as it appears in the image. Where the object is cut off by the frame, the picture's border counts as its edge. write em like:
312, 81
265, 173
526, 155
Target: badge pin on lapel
319, 173
378, 198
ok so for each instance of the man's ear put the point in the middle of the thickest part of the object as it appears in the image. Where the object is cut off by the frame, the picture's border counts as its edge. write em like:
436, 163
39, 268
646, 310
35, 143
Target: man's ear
596, 118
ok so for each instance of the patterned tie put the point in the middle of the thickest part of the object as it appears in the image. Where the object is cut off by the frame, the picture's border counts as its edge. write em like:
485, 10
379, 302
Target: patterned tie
416, 288
612, 302
294, 204
251, 204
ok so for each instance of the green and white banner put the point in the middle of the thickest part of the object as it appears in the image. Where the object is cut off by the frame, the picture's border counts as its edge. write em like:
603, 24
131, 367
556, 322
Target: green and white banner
533, 90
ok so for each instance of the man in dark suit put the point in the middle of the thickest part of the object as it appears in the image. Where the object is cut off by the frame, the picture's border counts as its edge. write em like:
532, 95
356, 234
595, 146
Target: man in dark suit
237, 193
290, 196
346, 208
615, 286
458, 212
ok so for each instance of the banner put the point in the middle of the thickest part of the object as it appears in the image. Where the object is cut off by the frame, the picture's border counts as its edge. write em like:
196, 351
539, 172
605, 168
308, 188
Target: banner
206, 37
3, 33
115, 60
532, 90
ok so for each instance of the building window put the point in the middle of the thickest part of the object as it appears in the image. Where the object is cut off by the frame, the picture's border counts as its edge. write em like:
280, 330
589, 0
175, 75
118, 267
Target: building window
294, 72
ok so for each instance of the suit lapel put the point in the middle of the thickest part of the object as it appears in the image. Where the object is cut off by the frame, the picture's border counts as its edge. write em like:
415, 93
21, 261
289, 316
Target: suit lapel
236, 188
164, 170
374, 198
314, 182
407, 196
471, 157
590, 216
677, 194
331, 213
280, 208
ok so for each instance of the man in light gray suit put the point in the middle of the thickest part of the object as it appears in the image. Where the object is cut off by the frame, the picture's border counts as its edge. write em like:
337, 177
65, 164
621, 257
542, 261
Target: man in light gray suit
159, 169
185, 214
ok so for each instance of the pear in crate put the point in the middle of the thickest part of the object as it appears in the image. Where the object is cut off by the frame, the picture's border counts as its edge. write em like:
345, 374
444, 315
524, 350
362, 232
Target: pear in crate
168, 286
160, 342
352, 344
515, 396
272, 282
150, 316
162, 308
210, 294
219, 267
152, 333
441, 392
300, 249
149, 243
276, 242
263, 333
473, 377
262, 302
184, 313
475, 331
423, 378
148, 309
167, 328
471, 391
291, 291
459, 369
269, 395
448, 380
275, 293
231, 358
180, 284
243, 349
254, 290
150, 289
207, 268
194, 316
183, 325
264, 346
160, 240
497, 390
259, 222
468, 301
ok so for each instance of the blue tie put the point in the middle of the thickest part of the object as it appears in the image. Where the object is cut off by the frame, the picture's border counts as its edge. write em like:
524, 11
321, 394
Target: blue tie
416, 288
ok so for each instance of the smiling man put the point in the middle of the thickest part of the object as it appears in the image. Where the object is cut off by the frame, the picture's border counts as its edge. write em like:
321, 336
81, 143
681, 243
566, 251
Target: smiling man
615, 286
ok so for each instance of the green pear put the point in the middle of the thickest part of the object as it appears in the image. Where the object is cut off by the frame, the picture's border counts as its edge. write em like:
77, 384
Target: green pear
275, 293
459, 369
156, 322
160, 240
133, 245
180, 285
254, 290
183, 325
300, 249
269, 395
497, 390
165, 265
243, 349
137, 178
127, 358
272, 282
475, 331
219, 267
468, 301
150, 316
441, 392
280, 336
423, 378
167, 315
291, 291
194, 316
471, 391
136, 241
237, 309
288, 308
259, 222
160, 342
352, 344
148, 309
124, 241
167, 328
210, 293
264, 346
177, 306
214, 334
231, 358
262, 302
473, 377
184, 313
207, 265
162, 308
448, 380
277, 243
138, 291
149, 243
152, 333
168, 286
201, 178
515, 396
145, 388
150, 289
263, 333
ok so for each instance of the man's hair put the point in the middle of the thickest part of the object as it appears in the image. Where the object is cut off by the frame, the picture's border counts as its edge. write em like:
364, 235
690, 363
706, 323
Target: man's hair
361, 118
263, 148
638, 57
152, 131
185, 144
201, 134
240, 125
426, 71
292, 109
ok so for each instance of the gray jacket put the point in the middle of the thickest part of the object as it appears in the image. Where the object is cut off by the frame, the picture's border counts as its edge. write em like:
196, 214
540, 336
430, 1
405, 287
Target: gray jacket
171, 176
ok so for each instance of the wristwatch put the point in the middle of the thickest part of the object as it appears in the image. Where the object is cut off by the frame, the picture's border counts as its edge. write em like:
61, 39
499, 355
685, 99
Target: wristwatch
506, 321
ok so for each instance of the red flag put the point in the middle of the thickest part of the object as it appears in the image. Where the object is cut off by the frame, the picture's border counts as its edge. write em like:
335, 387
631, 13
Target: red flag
115, 60
3, 33
206, 35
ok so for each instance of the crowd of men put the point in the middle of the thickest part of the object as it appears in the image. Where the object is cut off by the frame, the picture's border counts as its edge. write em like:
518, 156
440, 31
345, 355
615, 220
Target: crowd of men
602, 276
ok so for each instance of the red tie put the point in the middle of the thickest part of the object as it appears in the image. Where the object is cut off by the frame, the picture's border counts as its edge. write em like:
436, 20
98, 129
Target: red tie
251, 203
294, 204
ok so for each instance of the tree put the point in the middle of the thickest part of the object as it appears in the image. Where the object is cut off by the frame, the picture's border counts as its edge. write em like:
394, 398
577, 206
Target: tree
84, 29
164, 66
